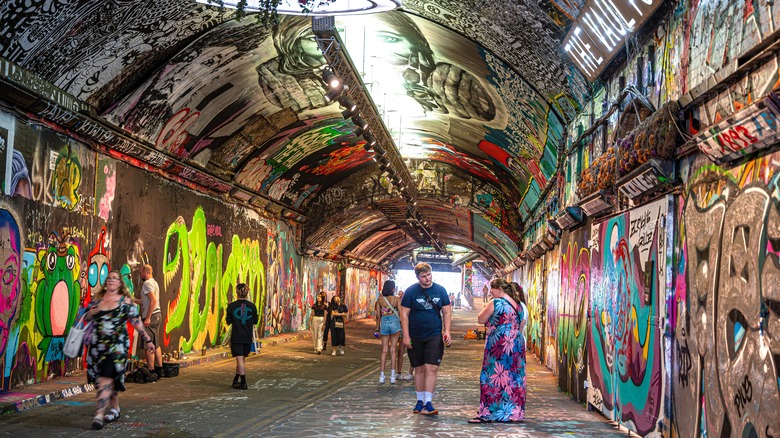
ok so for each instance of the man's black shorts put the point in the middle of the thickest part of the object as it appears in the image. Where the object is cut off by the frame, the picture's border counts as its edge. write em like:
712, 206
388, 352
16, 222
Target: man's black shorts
240, 349
426, 351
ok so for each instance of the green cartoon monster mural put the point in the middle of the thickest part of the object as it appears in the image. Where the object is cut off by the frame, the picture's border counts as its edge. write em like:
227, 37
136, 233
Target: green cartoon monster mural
58, 294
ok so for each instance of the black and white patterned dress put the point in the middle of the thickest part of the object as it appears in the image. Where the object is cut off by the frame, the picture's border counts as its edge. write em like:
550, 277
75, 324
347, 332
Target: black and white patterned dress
109, 342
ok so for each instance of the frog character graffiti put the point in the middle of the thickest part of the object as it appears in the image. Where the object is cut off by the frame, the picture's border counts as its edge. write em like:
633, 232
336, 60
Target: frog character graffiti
57, 293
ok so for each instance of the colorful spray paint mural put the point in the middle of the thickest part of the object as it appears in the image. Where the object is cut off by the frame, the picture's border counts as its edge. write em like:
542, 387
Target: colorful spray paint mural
58, 255
284, 307
46, 250
533, 284
625, 350
727, 306
359, 294
468, 274
573, 307
320, 276
201, 284
552, 298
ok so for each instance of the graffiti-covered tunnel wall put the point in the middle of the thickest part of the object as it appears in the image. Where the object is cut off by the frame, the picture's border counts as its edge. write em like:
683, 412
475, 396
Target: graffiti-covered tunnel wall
573, 312
726, 307
628, 284
667, 300
69, 215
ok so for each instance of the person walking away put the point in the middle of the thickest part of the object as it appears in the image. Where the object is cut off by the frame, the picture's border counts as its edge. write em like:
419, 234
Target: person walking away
338, 312
317, 322
242, 315
502, 380
485, 294
152, 317
425, 309
109, 312
388, 324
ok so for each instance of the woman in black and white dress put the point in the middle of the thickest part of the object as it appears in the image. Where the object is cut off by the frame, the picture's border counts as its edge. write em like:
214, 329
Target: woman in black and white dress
338, 315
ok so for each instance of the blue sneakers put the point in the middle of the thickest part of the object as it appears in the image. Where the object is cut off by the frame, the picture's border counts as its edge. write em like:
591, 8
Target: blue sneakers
418, 407
429, 410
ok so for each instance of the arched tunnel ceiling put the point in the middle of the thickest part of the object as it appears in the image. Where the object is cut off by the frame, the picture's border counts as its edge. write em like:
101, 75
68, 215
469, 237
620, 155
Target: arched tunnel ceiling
474, 94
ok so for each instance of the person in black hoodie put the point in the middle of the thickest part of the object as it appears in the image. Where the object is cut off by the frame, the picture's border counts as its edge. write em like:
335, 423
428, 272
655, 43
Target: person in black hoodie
242, 315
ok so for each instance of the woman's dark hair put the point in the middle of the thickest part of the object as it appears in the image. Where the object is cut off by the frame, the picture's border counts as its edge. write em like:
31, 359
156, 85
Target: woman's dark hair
500, 283
520, 292
388, 288
333, 303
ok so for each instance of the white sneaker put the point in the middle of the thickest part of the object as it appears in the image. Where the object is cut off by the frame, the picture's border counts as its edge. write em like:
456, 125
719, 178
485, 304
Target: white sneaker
382, 378
407, 376
392, 378
341, 351
334, 352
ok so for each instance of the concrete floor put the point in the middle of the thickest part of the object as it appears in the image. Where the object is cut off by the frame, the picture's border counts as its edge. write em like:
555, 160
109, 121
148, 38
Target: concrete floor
294, 392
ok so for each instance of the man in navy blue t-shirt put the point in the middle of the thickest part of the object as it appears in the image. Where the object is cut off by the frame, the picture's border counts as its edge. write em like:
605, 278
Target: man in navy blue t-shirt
425, 308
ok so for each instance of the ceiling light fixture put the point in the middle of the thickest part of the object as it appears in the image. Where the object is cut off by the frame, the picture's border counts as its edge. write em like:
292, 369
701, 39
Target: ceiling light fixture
359, 122
348, 104
309, 7
331, 79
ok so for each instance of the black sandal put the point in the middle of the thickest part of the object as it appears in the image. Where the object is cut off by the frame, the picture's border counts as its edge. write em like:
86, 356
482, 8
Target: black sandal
97, 423
479, 420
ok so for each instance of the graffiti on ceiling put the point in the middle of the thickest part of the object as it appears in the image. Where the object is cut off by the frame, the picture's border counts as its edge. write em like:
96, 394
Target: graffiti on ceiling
475, 98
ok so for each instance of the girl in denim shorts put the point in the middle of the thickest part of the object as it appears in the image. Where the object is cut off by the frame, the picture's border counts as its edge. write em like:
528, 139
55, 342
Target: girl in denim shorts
388, 324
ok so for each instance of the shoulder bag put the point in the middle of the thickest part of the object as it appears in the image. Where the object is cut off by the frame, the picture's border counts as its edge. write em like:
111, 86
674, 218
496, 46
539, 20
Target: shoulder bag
391, 307
430, 301
74, 343
338, 323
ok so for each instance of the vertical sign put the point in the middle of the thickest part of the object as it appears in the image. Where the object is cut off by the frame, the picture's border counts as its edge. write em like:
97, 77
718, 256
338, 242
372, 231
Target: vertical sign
601, 29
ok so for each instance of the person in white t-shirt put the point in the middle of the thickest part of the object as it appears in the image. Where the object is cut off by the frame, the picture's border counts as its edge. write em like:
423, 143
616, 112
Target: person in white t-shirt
151, 316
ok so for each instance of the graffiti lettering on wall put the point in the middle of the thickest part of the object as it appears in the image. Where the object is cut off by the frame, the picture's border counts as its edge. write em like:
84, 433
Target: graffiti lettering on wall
725, 380
624, 341
573, 312
197, 264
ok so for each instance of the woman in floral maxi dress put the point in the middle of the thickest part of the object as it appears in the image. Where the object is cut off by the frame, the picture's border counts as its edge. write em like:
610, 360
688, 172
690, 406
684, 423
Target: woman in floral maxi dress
502, 381
107, 353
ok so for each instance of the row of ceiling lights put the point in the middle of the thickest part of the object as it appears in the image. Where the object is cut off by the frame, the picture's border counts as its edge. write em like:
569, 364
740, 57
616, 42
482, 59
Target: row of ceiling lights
338, 91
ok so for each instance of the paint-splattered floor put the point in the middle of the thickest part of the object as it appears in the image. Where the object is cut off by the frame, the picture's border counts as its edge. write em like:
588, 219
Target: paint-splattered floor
294, 392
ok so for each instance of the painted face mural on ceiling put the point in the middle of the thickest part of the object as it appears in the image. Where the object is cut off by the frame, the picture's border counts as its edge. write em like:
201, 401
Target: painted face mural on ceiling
439, 91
